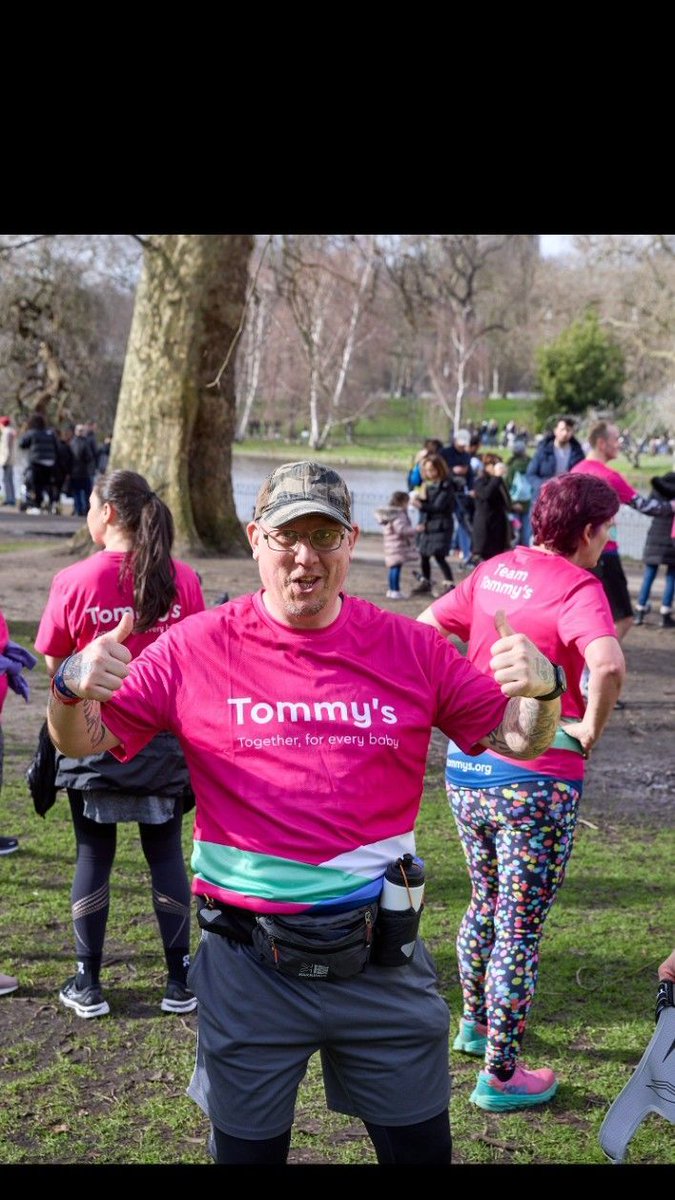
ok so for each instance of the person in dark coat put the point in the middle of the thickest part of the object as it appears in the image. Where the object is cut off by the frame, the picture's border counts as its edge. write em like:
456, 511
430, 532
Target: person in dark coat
491, 525
521, 502
82, 471
435, 500
40, 444
659, 551
556, 453
458, 456
64, 464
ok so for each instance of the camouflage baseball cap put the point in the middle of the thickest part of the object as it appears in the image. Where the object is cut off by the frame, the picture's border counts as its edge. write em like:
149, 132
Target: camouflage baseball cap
299, 489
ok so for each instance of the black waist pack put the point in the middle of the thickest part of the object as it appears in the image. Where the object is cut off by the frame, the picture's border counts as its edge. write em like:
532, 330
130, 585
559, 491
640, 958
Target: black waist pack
316, 947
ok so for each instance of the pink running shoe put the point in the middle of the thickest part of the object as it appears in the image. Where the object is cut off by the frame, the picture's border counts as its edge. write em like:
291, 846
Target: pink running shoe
523, 1090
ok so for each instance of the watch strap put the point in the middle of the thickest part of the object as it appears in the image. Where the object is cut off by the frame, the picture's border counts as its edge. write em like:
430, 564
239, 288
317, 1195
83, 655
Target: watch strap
559, 687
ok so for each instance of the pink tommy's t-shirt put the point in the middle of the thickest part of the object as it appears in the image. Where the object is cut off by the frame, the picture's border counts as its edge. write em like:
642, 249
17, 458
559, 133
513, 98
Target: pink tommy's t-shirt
306, 748
561, 607
86, 600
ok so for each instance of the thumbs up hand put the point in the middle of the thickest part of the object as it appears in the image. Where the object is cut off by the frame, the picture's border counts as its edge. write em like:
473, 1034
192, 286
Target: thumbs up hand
517, 665
123, 629
98, 671
502, 624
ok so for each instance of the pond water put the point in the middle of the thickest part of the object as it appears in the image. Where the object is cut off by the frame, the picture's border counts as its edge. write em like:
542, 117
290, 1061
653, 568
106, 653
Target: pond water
372, 487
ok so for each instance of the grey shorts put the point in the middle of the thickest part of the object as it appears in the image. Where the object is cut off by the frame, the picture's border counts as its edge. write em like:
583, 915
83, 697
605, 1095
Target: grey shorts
382, 1036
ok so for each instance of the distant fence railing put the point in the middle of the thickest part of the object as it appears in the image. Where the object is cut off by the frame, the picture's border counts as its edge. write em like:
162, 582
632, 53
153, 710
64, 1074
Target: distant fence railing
631, 525
632, 530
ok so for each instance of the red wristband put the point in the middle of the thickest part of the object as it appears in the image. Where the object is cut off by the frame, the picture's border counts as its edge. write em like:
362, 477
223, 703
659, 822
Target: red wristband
64, 699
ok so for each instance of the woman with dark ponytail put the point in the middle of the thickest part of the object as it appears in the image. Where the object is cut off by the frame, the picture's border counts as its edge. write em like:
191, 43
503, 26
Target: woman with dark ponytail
133, 572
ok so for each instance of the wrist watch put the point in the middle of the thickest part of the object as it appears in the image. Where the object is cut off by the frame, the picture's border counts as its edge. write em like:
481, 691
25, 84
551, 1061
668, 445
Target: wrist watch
559, 686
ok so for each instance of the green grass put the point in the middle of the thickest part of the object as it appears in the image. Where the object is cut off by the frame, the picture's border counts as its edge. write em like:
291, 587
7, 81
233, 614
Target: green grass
27, 543
113, 1090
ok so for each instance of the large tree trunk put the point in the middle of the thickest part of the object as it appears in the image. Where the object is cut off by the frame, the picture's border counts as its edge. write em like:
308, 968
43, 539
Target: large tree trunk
172, 424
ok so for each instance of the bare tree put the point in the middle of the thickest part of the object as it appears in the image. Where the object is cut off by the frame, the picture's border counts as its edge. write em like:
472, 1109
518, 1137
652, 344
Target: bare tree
446, 283
328, 285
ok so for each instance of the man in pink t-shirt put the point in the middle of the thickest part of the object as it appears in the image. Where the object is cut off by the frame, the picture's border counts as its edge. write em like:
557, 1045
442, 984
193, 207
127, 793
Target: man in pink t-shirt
604, 442
305, 716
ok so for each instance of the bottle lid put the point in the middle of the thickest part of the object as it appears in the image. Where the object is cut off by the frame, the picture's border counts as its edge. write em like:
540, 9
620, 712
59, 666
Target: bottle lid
406, 870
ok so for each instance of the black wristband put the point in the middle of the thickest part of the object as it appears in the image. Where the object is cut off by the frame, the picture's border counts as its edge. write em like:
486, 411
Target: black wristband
560, 684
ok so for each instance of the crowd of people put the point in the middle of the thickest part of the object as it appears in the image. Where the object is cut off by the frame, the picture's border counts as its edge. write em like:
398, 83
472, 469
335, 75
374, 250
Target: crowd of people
306, 690
487, 503
53, 463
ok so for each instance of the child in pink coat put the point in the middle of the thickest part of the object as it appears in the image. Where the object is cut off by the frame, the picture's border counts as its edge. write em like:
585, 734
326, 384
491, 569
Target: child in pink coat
399, 540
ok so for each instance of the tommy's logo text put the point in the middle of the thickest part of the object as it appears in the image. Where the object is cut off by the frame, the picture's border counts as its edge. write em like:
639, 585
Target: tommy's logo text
262, 712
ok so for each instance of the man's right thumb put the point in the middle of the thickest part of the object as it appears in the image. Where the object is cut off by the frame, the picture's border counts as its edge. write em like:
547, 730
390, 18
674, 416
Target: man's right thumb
121, 633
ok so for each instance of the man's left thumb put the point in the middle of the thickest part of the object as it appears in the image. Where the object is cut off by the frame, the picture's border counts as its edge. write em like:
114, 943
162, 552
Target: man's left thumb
502, 625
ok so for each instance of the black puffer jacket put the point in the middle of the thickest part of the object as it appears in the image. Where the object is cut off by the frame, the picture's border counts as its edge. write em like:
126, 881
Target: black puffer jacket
659, 545
436, 515
41, 447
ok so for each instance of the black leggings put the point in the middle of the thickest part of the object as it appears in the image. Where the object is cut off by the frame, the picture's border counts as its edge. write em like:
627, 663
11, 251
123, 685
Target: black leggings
427, 1144
425, 561
90, 894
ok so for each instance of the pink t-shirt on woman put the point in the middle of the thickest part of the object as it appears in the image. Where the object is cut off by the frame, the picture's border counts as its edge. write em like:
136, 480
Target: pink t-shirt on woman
561, 607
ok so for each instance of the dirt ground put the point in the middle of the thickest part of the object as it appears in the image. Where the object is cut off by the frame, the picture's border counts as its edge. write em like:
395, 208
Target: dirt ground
630, 776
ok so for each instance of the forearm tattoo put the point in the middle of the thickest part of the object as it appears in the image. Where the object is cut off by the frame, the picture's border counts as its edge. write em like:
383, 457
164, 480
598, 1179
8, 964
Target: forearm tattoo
89, 711
96, 730
527, 730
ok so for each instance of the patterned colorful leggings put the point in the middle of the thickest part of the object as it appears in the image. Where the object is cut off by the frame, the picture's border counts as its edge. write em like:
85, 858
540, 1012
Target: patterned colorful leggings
517, 840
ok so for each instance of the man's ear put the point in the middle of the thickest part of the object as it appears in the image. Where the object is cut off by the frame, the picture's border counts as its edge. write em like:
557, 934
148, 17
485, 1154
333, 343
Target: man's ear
353, 538
253, 535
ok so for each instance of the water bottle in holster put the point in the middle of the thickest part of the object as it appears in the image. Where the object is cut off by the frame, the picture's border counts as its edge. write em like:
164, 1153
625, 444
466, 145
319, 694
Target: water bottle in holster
400, 909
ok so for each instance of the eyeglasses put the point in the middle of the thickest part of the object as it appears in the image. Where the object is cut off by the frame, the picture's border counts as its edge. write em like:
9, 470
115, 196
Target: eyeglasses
322, 540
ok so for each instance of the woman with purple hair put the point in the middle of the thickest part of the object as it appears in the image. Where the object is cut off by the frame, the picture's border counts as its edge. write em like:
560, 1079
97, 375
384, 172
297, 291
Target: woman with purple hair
516, 820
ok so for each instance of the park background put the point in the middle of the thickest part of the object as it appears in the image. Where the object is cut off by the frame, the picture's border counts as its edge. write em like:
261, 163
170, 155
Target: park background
181, 347
168, 343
